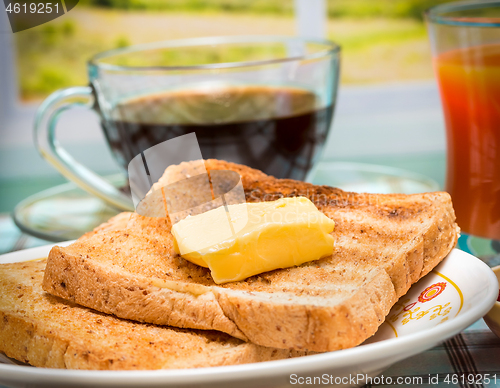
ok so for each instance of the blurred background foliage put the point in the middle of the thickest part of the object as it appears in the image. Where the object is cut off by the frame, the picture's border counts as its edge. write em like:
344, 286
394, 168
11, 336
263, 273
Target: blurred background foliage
336, 8
382, 41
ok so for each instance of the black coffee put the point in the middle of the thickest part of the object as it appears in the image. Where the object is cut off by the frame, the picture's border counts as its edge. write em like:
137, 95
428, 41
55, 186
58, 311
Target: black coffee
278, 130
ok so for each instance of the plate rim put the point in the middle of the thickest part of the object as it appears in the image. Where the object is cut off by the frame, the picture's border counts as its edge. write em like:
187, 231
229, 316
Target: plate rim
390, 348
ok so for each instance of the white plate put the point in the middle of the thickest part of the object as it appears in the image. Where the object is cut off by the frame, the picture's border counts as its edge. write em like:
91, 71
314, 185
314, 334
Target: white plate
457, 293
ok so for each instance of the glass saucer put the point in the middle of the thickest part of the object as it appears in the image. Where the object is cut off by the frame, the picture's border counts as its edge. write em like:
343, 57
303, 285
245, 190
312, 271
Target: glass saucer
64, 212
370, 178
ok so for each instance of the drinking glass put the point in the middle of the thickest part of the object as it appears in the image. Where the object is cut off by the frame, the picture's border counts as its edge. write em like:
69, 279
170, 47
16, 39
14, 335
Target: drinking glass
266, 102
465, 40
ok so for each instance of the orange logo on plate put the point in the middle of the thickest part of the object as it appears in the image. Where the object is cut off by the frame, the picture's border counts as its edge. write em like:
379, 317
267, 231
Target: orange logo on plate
431, 292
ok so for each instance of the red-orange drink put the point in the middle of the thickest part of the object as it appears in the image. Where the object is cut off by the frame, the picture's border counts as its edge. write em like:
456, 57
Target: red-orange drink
469, 81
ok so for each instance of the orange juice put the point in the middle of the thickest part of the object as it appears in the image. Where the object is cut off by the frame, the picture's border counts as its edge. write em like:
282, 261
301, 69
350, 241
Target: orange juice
469, 81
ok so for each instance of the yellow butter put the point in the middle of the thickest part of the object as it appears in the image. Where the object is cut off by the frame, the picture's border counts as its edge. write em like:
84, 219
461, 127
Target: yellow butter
242, 240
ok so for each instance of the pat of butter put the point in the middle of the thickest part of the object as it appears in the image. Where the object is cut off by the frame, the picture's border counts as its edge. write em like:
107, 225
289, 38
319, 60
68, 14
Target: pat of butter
239, 241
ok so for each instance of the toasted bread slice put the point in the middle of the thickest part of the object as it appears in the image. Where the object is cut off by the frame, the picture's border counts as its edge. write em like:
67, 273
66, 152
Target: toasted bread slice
47, 331
384, 244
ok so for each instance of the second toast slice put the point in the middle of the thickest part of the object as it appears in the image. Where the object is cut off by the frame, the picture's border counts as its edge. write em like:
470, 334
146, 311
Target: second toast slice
49, 332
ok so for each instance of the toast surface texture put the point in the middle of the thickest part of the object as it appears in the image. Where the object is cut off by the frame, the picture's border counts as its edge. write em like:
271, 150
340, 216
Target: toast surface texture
384, 244
46, 331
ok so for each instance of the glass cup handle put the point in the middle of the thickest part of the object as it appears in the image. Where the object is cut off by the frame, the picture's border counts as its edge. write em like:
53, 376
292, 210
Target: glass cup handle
46, 119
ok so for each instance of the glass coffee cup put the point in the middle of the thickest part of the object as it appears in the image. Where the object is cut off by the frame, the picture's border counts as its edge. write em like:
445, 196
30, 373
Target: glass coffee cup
265, 102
